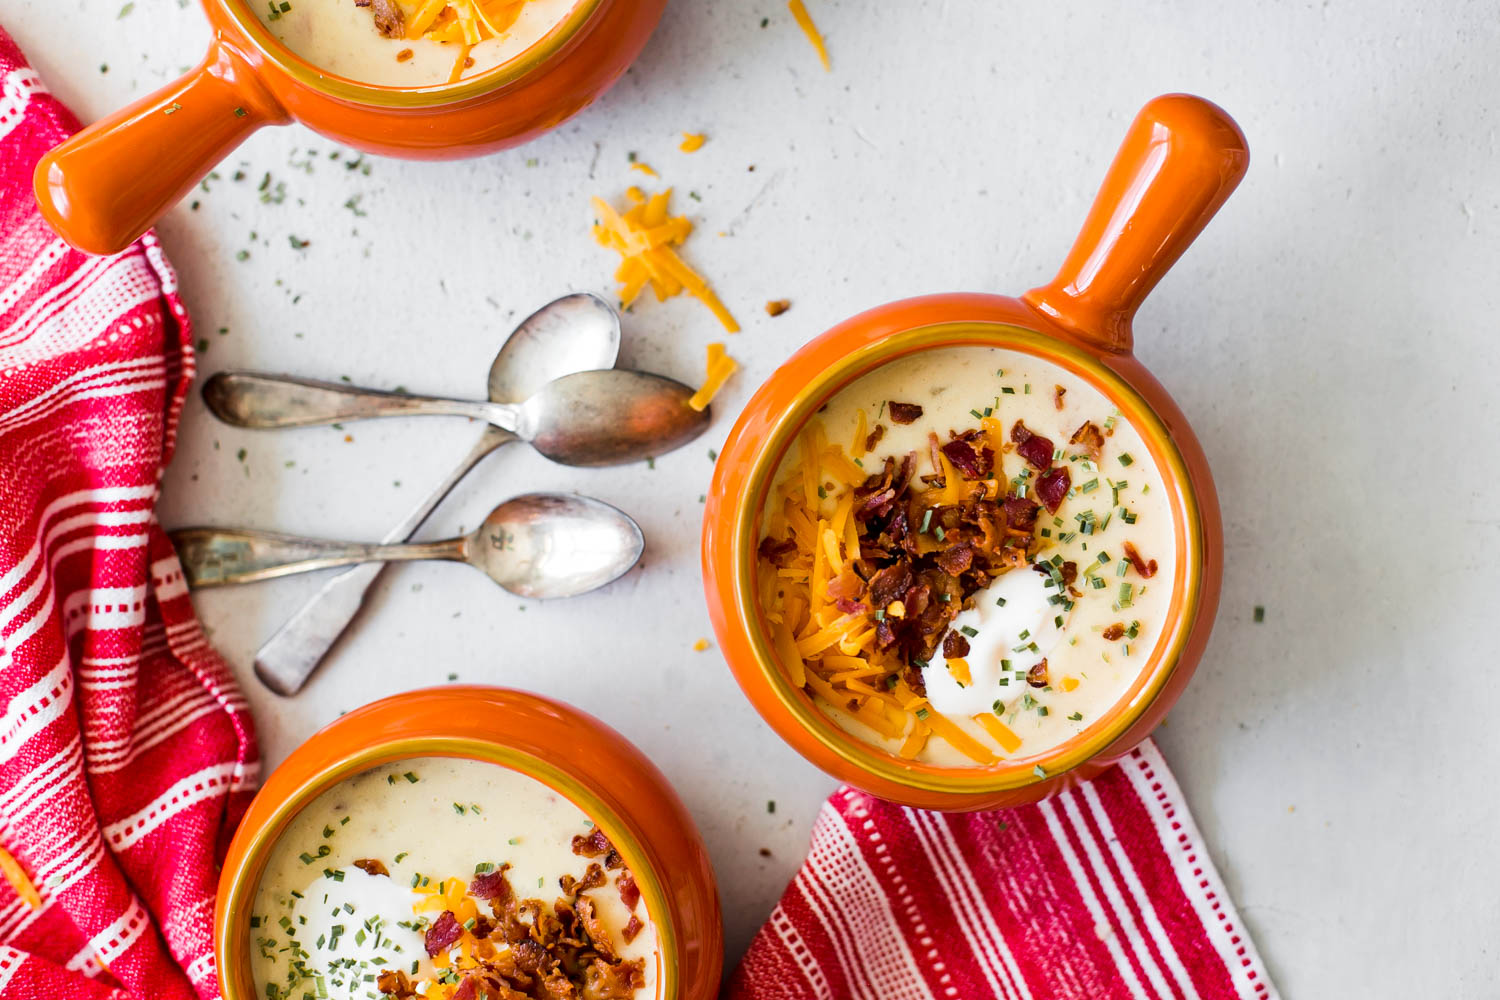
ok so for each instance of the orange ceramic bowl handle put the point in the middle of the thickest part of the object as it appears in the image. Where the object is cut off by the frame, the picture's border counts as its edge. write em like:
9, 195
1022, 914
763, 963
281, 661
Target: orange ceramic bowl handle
1181, 158
108, 184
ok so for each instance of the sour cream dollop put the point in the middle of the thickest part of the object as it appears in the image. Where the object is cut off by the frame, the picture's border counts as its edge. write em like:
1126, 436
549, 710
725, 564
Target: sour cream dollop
1014, 626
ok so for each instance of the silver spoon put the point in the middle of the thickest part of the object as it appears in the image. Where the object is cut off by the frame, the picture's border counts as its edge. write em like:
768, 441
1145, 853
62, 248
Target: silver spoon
540, 545
578, 332
591, 418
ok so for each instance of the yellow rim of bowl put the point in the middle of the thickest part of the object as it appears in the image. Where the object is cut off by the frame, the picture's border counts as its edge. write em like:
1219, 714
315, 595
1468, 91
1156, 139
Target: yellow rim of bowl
434, 95
1011, 773
241, 896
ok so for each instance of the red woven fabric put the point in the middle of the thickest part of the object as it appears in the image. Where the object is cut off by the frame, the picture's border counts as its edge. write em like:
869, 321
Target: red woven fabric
1103, 892
126, 754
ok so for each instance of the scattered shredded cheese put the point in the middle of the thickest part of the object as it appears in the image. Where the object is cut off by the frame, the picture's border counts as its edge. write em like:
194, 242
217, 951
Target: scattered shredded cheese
700, 645
720, 367
643, 236
644, 168
692, 142
16, 876
805, 22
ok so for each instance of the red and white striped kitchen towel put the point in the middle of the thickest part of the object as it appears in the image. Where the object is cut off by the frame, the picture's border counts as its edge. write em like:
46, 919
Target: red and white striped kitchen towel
1104, 892
126, 753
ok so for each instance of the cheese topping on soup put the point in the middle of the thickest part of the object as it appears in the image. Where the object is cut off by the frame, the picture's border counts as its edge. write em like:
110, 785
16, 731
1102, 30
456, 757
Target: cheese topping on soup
414, 877
967, 557
403, 43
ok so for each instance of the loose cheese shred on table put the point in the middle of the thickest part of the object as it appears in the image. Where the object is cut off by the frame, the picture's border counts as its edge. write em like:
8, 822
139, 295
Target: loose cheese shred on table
644, 168
720, 367
644, 236
16, 876
692, 142
700, 645
805, 22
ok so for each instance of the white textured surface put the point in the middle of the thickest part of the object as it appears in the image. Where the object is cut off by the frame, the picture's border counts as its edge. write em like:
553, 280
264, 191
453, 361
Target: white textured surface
1332, 335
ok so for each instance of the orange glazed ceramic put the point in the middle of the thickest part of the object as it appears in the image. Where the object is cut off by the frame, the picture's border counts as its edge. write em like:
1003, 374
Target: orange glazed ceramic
1180, 160
108, 184
575, 754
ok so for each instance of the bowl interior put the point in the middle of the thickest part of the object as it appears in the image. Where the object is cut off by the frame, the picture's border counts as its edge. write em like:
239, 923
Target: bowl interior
243, 14
1153, 675
238, 895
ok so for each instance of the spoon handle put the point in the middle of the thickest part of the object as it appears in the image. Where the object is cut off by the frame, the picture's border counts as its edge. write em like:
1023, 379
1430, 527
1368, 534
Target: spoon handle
214, 557
287, 659
253, 399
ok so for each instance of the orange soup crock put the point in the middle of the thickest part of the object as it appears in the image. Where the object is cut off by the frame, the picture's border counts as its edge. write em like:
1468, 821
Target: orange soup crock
107, 185
1180, 160
575, 754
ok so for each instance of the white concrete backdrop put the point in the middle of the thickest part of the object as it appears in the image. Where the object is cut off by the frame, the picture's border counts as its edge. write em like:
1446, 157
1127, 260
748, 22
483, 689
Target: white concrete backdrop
1333, 336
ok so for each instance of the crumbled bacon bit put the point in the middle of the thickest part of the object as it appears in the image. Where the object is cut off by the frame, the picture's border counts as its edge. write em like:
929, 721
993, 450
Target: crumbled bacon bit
1020, 512
1069, 572
443, 934
873, 438
1115, 631
905, 413
973, 464
1036, 449
955, 561
1090, 438
631, 929
404, 55
389, 20
776, 307
594, 927
592, 845
630, 893
1037, 675
593, 878
467, 990
890, 583
779, 554
394, 982
1058, 392
1146, 569
372, 866
492, 885
955, 645
1052, 487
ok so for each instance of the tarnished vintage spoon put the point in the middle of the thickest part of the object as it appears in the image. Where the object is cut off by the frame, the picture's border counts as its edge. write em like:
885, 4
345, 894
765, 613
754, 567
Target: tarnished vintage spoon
606, 417
539, 545
579, 332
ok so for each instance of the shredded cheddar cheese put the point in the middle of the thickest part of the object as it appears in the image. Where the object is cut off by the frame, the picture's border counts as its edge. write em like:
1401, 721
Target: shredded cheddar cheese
805, 22
465, 23
720, 367
644, 168
692, 142
16, 876
700, 645
644, 236
833, 654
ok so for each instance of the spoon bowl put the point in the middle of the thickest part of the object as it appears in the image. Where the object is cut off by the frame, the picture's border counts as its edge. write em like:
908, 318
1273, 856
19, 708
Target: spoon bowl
546, 545
538, 545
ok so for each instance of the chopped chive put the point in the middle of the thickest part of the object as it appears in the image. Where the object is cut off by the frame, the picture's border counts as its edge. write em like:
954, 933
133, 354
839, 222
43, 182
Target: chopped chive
970, 632
1260, 614
1076, 717
1125, 458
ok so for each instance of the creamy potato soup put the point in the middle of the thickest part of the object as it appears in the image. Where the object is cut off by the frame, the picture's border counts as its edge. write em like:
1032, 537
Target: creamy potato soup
416, 878
405, 43
967, 556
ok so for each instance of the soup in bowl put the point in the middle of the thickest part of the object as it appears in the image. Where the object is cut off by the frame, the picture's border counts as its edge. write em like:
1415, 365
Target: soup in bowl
963, 550
487, 841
